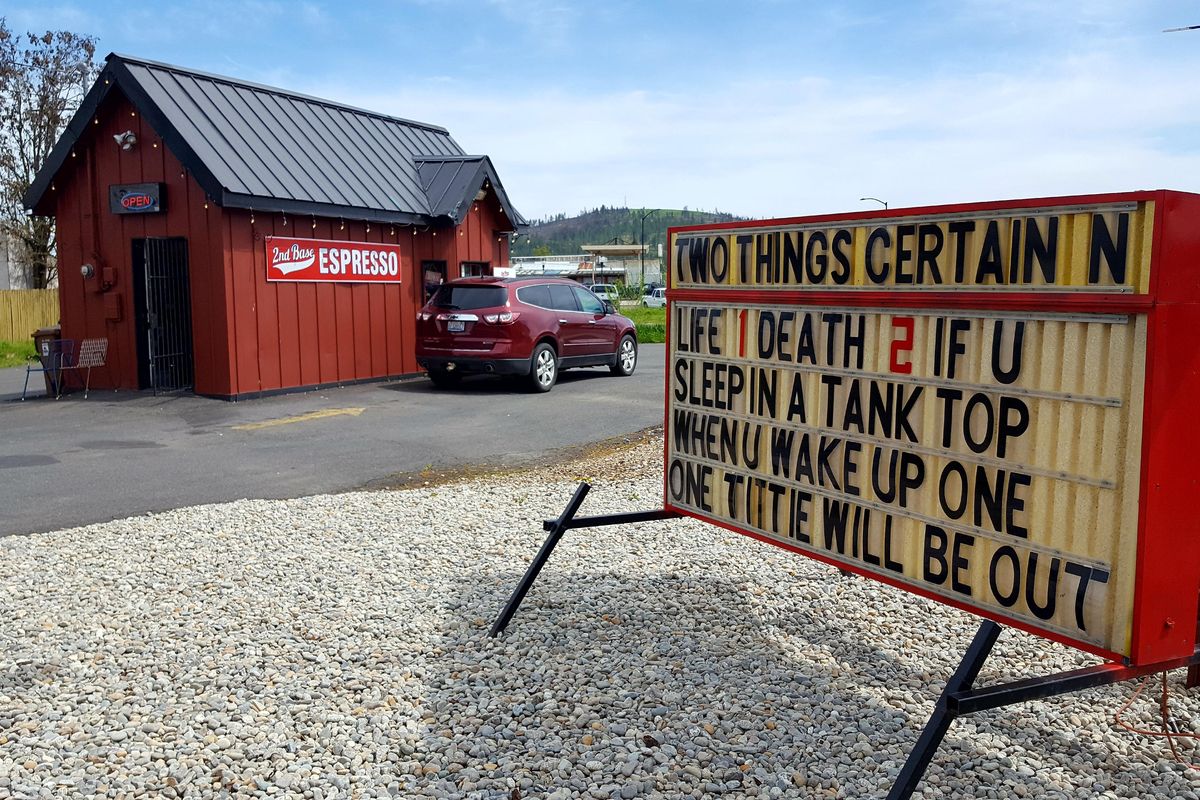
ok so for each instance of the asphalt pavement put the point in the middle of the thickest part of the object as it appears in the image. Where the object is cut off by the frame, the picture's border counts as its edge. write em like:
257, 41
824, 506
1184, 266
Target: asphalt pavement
116, 454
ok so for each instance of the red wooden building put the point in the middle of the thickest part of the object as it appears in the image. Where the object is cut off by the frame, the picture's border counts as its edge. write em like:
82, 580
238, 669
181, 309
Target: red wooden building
239, 239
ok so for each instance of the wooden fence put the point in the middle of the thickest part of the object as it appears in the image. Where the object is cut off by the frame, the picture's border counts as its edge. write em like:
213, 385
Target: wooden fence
23, 311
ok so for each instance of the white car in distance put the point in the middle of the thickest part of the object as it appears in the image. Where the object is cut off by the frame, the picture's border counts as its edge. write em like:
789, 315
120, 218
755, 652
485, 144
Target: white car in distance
656, 299
606, 291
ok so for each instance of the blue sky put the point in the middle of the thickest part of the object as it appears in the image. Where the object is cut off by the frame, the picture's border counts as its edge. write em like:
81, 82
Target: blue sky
761, 108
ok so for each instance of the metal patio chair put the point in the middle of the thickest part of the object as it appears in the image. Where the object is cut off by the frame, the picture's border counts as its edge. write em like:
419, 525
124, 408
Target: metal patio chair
92, 353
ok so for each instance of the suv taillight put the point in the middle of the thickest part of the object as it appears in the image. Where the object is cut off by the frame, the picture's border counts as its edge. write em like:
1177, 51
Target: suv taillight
424, 316
503, 318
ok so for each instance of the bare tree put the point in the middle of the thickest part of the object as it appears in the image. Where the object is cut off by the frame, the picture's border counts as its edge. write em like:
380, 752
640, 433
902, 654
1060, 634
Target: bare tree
43, 78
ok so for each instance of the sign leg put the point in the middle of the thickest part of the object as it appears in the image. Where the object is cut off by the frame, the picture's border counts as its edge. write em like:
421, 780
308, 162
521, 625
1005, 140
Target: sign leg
559, 527
939, 721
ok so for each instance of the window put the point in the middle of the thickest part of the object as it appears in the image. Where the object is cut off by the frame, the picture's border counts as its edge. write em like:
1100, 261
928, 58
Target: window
535, 295
475, 269
588, 301
465, 298
562, 298
434, 275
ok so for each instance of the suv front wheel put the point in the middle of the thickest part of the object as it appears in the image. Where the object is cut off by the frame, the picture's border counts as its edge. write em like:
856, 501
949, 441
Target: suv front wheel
626, 359
543, 368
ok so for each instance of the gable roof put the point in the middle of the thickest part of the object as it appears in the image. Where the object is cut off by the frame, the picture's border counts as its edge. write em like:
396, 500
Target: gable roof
255, 146
451, 183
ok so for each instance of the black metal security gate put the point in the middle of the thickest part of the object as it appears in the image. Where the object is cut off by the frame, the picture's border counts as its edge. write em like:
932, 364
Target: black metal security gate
164, 306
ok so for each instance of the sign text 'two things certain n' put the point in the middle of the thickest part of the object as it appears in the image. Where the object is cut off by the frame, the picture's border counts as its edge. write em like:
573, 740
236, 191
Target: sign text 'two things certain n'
982, 455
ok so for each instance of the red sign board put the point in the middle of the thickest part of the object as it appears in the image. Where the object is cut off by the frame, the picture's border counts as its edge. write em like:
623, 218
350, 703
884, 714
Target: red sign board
319, 260
992, 405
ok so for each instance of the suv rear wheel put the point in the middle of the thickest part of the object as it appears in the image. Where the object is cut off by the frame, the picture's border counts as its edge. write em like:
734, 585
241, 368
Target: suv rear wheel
626, 359
543, 368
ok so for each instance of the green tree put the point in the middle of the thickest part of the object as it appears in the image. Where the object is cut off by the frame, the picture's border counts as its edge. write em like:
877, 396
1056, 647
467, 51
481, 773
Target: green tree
43, 78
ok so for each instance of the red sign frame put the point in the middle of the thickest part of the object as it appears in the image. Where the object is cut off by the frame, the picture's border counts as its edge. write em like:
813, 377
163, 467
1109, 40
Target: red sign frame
1167, 578
332, 261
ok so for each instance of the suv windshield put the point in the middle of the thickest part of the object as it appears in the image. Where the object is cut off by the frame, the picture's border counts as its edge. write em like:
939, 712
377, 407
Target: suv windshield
468, 297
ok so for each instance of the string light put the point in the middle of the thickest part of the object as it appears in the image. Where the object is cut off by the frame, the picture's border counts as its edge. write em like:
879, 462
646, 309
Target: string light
252, 216
368, 227
393, 230
284, 218
314, 222
342, 227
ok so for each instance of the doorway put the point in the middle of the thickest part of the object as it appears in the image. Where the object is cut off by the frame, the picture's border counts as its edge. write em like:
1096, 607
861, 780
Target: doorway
162, 296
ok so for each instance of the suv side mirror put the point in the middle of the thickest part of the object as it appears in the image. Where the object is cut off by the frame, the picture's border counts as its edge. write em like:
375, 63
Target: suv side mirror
608, 308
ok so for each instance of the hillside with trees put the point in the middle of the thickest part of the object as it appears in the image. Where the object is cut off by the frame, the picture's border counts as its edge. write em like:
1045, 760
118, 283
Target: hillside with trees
563, 235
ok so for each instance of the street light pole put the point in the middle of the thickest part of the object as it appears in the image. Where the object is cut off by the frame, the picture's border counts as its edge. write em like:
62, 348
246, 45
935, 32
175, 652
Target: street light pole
876, 199
642, 242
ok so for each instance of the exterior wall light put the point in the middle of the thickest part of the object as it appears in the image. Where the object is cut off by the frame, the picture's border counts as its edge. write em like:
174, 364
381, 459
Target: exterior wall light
126, 140
87, 270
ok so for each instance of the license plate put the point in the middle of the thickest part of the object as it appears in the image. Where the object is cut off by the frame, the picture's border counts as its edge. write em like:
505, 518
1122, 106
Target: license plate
455, 326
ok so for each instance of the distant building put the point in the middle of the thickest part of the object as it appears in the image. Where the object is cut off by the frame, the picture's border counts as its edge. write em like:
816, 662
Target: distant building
11, 274
579, 268
6, 264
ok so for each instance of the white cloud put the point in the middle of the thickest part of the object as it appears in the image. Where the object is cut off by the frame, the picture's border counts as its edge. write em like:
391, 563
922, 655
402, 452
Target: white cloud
1083, 124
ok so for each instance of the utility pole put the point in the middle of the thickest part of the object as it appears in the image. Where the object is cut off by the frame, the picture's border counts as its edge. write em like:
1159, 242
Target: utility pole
642, 242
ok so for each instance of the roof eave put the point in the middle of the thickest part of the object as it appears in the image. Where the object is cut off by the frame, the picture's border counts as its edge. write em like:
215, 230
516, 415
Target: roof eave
42, 181
305, 208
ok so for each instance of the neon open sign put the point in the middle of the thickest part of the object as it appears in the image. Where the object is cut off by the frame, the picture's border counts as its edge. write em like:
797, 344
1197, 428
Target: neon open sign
135, 198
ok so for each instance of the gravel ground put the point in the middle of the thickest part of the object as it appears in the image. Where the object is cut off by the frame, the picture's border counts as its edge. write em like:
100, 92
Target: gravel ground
336, 646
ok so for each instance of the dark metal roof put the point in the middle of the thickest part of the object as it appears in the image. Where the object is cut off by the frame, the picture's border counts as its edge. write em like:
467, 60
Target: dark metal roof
254, 146
451, 183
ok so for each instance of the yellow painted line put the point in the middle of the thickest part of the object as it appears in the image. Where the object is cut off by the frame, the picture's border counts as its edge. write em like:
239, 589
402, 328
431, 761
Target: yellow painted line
328, 412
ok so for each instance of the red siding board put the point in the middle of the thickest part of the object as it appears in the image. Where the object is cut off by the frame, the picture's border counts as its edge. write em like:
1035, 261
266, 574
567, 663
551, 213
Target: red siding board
245, 311
249, 264
213, 357
287, 302
308, 334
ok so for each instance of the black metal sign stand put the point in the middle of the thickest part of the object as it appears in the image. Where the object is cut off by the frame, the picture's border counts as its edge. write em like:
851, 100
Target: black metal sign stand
958, 698
557, 528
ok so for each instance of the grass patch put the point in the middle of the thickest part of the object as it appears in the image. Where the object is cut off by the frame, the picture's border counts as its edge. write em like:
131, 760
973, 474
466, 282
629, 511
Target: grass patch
651, 323
15, 354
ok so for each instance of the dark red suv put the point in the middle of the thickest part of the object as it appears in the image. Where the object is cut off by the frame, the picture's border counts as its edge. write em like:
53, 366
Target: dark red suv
532, 327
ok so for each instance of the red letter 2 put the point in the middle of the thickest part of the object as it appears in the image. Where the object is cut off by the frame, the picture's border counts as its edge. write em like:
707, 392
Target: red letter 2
902, 344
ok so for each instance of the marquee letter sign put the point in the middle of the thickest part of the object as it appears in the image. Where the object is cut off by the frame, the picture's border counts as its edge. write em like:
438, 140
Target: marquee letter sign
320, 260
994, 405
